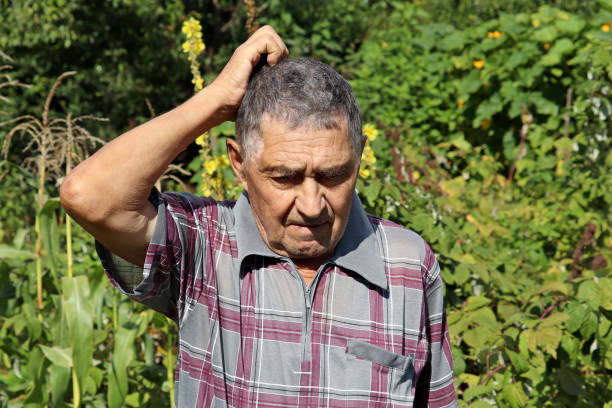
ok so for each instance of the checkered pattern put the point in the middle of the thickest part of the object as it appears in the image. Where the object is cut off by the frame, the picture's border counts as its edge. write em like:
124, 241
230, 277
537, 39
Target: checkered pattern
252, 334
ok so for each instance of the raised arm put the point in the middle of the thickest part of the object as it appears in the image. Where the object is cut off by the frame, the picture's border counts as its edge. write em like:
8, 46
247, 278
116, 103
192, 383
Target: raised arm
108, 193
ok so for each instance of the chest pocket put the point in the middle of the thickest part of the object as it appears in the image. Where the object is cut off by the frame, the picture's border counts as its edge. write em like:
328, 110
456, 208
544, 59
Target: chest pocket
400, 368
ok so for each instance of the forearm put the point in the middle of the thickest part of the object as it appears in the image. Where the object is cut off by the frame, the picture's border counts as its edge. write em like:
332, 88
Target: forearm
108, 192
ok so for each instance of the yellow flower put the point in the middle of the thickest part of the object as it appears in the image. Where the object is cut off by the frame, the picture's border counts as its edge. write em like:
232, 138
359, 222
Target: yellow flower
495, 34
210, 166
606, 27
198, 82
368, 155
217, 182
536, 23
187, 46
478, 63
416, 175
192, 28
200, 140
370, 131
198, 46
222, 161
460, 103
364, 173
546, 46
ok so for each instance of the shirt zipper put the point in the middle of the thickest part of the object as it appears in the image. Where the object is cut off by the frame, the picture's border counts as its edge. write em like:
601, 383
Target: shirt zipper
308, 291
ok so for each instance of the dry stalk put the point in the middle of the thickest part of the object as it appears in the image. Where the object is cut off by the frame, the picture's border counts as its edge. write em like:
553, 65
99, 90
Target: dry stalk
48, 148
251, 23
526, 118
5, 79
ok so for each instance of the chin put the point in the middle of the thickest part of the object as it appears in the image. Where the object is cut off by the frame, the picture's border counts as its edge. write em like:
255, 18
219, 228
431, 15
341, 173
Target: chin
310, 252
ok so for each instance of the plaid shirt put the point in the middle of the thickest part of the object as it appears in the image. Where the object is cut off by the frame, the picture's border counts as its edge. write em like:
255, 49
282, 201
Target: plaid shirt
369, 331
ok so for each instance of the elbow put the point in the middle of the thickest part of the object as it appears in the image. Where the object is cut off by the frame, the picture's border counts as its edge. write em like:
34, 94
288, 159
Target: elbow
77, 200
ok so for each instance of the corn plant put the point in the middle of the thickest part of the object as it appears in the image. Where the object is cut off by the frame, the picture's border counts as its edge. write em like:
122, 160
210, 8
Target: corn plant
50, 143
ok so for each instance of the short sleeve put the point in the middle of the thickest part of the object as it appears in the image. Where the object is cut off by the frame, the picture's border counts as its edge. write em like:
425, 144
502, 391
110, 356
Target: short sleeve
175, 254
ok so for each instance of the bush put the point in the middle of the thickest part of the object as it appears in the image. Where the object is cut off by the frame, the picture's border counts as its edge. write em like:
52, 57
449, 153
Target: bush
497, 152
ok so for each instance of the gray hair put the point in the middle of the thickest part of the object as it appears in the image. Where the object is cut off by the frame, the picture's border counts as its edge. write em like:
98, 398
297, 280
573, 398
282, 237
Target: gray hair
300, 93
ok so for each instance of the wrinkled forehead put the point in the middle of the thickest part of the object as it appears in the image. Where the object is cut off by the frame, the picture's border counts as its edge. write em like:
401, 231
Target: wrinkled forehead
278, 119
277, 136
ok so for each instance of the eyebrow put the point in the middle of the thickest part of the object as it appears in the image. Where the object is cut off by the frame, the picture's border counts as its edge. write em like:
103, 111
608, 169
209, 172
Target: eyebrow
330, 172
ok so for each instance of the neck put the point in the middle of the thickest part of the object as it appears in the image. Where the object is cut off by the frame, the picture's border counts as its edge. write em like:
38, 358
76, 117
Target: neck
307, 269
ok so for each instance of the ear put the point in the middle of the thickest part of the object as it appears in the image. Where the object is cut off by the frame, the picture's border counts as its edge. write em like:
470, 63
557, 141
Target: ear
237, 160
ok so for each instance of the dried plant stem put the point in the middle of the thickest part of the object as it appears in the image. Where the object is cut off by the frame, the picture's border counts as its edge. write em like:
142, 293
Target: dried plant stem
251, 23
41, 197
522, 150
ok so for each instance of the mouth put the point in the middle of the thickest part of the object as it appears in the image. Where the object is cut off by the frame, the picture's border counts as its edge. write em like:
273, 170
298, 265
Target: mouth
308, 227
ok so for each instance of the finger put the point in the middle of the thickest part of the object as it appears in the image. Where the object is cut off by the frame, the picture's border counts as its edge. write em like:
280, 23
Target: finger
269, 42
277, 51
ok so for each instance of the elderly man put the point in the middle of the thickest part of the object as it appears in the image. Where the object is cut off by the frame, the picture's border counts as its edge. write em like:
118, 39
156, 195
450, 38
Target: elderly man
292, 296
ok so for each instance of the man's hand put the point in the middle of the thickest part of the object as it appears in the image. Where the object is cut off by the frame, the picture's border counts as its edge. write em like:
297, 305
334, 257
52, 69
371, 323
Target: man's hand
231, 84
108, 193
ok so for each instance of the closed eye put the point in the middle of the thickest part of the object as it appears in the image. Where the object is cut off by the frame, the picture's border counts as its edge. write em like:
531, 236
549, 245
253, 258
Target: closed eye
334, 177
287, 179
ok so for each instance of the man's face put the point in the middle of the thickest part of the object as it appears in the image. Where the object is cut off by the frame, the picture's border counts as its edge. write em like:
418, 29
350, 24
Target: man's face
300, 184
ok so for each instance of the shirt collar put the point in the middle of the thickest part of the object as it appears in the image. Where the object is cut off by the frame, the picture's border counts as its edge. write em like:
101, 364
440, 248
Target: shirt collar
357, 250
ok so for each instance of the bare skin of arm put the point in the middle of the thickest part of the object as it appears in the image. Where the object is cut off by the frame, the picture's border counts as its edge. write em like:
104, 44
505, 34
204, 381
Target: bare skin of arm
108, 193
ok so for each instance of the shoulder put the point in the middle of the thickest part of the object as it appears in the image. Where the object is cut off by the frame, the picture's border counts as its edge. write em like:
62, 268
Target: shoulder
402, 247
188, 210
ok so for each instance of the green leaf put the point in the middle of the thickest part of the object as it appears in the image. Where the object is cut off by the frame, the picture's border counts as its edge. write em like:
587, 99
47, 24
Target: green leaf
475, 339
59, 356
546, 338
589, 325
554, 320
371, 191
480, 404
79, 316
573, 25
475, 302
514, 395
556, 52
461, 274
571, 381
590, 293
520, 364
36, 397
59, 378
49, 231
577, 314
469, 85
606, 4
488, 108
122, 356
546, 34
554, 287
458, 361
476, 391
485, 317
7, 252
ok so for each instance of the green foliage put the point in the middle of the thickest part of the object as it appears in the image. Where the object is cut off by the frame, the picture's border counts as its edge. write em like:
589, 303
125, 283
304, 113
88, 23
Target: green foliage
494, 145
17, 188
114, 45
504, 168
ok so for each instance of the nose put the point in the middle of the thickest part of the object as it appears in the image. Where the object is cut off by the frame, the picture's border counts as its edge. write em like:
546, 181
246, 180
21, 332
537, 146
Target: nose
310, 201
